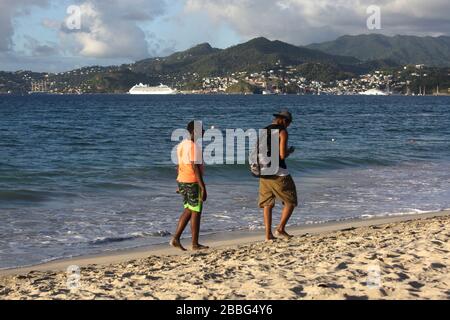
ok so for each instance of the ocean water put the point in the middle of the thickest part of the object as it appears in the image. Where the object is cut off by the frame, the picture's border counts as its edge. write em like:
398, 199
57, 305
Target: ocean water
87, 174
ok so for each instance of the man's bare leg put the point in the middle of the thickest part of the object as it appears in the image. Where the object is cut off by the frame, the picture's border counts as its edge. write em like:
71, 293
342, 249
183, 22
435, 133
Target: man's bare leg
288, 210
195, 229
268, 223
184, 220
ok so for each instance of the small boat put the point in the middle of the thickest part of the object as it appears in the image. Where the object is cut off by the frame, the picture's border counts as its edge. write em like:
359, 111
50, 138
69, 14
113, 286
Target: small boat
374, 92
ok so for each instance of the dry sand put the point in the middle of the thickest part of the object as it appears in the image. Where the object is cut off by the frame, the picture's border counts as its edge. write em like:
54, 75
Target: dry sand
390, 258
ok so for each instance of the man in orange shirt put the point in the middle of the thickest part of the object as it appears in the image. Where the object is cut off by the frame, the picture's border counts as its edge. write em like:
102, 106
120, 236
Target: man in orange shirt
191, 186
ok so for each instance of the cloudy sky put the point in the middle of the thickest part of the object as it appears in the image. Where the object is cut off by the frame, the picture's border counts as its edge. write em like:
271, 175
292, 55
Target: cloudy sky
57, 35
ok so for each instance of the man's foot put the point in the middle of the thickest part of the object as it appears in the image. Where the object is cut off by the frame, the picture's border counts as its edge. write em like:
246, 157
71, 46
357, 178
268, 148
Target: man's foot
199, 247
177, 244
271, 239
284, 235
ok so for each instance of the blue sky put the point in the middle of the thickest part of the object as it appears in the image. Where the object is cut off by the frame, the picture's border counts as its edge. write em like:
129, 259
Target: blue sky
34, 36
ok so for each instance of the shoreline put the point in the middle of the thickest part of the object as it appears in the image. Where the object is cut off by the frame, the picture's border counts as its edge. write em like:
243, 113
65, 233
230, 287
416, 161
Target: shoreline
219, 94
220, 240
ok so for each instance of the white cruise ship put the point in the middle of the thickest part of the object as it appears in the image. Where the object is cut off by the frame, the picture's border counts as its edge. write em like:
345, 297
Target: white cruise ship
145, 89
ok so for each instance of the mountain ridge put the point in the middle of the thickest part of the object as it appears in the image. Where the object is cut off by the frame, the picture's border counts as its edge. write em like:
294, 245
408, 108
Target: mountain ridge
403, 49
253, 55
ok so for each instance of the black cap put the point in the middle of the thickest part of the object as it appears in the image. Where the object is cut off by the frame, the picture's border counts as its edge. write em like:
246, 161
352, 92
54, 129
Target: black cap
284, 114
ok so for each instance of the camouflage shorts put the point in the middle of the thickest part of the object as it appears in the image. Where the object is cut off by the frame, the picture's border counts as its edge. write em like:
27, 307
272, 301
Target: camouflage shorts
192, 197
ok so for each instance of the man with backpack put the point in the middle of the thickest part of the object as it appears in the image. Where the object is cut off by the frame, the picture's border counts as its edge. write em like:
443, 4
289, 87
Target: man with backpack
280, 185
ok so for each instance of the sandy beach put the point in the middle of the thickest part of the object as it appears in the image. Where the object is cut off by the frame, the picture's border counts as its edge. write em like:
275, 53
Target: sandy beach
387, 258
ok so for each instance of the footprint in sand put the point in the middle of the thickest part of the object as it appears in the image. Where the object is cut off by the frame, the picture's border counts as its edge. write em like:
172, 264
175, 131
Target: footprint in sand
109, 274
438, 265
299, 291
331, 286
152, 278
448, 294
6, 291
128, 275
402, 276
342, 266
416, 285
107, 287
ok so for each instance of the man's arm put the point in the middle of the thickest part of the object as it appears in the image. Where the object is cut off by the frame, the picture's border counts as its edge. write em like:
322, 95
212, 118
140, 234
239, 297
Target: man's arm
284, 152
201, 183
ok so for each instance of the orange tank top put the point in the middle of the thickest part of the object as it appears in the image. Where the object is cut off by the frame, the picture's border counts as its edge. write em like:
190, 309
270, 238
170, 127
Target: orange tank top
188, 152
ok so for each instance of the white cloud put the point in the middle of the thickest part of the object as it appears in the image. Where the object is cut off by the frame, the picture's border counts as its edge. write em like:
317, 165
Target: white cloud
9, 9
110, 29
38, 49
306, 21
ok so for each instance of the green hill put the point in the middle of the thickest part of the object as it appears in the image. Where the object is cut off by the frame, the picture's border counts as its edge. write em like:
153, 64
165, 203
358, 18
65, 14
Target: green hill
433, 51
255, 55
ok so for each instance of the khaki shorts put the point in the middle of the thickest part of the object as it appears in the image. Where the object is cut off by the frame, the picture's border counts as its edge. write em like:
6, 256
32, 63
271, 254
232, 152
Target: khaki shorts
281, 188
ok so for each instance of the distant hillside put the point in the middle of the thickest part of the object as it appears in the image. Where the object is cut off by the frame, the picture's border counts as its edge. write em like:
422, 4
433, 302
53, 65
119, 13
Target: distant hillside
433, 51
275, 63
179, 62
255, 55
184, 70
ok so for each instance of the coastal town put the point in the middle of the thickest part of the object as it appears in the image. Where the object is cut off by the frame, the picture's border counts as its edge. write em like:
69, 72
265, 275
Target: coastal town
281, 80
288, 80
